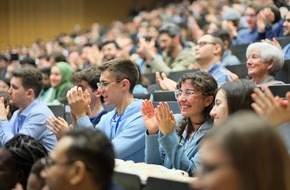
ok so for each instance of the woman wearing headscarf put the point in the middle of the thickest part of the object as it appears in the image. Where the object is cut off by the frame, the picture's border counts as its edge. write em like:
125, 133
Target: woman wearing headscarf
60, 79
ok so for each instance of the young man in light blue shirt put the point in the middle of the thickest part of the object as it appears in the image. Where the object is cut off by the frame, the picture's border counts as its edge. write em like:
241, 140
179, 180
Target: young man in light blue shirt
124, 125
30, 118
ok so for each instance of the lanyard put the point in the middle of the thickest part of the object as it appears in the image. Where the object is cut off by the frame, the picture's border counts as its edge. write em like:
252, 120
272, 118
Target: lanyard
117, 123
185, 139
116, 126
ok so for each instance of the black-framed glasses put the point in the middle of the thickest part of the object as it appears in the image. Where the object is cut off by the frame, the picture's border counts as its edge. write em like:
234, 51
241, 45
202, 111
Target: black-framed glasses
48, 162
187, 93
203, 43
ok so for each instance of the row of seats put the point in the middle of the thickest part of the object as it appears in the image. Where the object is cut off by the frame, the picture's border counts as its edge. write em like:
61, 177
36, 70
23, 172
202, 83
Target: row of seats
240, 50
156, 97
240, 70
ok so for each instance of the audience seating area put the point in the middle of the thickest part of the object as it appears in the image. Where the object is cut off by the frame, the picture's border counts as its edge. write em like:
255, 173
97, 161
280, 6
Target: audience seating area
284, 73
240, 50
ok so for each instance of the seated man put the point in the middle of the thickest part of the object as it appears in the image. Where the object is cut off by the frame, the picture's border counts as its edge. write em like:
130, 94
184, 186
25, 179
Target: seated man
83, 159
124, 125
209, 51
30, 118
87, 79
175, 55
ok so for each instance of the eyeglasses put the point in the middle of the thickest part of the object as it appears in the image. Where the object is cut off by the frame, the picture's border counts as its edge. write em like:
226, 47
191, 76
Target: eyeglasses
102, 85
203, 43
187, 93
48, 162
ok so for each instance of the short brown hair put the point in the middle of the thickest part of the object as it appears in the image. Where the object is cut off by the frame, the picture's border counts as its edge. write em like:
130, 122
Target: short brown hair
122, 69
30, 78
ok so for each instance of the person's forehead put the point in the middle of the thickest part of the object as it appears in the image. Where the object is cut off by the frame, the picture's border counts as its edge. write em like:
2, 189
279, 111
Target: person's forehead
208, 149
205, 38
61, 147
250, 10
109, 46
16, 81
82, 83
105, 75
163, 35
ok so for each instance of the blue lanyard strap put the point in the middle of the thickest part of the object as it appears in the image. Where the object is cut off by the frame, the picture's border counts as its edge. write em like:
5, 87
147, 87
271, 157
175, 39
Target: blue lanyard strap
185, 139
116, 126
117, 123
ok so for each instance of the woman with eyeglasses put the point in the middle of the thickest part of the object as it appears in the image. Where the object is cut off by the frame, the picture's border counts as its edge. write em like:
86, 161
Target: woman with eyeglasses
174, 144
244, 154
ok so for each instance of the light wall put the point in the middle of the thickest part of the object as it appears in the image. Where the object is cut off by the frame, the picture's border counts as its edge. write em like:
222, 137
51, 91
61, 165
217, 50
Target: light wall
24, 21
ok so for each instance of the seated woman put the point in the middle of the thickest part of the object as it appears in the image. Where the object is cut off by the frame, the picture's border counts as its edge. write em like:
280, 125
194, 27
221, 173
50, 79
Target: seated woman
244, 154
178, 148
60, 79
4, 85
263, 62
230, 98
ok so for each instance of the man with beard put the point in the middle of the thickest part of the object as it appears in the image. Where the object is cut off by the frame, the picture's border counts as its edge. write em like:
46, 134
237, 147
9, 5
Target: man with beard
175, 55
110, 50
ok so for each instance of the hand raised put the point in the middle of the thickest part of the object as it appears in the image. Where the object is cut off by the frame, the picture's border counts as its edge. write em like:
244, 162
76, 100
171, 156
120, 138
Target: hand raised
165, 118
79, 101
58, 126
148, 114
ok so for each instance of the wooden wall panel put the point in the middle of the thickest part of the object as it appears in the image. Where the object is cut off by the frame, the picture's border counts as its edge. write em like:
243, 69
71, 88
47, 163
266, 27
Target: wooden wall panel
4, 20
24, 21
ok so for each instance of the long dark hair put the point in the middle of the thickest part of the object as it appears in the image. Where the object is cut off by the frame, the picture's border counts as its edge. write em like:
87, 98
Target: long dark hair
238, 94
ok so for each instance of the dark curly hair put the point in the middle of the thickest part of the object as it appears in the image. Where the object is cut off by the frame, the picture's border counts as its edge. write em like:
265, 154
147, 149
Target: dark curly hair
24, 151
201, 81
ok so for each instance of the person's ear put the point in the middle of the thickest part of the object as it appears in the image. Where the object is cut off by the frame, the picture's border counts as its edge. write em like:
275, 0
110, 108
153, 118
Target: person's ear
30, 92
176, 39
125, 84
208, 100
270, 65
77, 173
217, 49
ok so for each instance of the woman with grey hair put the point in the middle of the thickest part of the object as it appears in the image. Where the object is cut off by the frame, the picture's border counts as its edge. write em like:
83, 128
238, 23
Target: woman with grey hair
263, 62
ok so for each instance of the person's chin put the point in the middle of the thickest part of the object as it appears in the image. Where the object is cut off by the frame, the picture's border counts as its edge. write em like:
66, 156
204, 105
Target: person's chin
216, 122
107, 102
